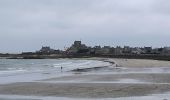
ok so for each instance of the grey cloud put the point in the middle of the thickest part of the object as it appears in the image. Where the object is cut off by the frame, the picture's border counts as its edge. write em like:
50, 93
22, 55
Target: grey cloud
29, 24
162, 7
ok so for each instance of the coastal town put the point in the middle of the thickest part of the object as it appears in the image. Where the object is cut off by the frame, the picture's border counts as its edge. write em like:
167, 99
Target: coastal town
78, 49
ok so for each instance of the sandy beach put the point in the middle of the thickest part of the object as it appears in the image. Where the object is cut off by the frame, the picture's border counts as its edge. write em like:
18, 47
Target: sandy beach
131, 77
84, 90
138, 63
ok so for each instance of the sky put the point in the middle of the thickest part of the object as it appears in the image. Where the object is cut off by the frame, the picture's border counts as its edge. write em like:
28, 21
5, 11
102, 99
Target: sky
27, 25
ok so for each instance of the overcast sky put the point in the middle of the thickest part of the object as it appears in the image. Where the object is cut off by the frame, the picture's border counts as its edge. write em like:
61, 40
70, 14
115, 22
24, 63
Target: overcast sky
26, 25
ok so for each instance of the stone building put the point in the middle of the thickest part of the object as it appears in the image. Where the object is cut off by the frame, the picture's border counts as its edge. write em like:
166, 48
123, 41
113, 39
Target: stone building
127, 50
105, 50
166, 50
147, 50
118, 51
47, 50
77, 48
137, 50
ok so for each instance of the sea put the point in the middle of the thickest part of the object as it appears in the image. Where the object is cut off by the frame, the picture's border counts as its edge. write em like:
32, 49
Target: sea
25, 70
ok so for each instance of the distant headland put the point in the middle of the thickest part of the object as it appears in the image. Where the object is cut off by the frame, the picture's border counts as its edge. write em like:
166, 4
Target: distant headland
79, 50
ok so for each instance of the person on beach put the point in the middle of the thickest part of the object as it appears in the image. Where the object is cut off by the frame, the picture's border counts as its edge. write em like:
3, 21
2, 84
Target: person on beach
61, 68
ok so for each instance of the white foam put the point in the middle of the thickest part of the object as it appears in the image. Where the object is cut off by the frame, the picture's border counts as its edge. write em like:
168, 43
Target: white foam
81, 64
8, 72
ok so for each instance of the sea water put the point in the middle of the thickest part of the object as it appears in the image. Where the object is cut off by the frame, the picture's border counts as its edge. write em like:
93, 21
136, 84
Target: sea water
25, 70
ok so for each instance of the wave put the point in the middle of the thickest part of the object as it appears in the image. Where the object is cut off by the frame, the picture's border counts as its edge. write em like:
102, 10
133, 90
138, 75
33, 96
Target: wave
48, 65
7, 72
81, 64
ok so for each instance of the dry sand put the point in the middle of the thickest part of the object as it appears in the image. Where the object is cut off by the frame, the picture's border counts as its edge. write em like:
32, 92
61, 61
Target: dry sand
96, 85
138, 63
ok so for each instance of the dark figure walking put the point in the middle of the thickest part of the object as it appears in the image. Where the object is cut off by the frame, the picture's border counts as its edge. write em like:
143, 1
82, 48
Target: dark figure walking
61, 68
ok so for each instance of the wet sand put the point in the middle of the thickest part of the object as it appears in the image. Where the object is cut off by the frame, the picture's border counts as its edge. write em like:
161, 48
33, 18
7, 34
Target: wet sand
149, 78
84, 90
133, 81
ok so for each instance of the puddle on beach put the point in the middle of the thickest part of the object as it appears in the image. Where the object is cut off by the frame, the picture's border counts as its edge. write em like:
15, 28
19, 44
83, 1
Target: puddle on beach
129, 81
132, 81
